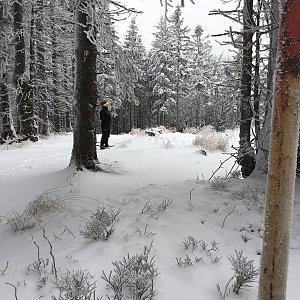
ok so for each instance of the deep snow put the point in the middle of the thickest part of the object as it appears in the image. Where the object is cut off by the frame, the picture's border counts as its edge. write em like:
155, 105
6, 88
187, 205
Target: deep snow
141, 172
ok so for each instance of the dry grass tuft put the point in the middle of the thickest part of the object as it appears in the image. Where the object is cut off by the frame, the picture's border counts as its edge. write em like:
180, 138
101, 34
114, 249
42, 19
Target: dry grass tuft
211, 140
46, 203
136, 131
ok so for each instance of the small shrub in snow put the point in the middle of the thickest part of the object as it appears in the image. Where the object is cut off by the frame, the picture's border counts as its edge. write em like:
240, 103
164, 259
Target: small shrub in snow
124, 144
244, 275
39, 266
101, 225
184, 262
75, 285
244, 271
148, 209
219, 184
252, 196
133, 277
164, 205
145, 232
203, 248
235, 174
167, 145
190, 243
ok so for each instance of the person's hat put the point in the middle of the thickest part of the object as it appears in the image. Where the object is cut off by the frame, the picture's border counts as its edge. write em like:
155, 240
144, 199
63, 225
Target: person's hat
104, 103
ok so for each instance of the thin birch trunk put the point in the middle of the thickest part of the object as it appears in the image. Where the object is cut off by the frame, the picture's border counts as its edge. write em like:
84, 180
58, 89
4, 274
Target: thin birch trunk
282, 158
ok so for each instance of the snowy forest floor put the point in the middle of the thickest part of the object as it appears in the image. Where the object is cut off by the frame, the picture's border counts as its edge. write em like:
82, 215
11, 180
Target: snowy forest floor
166, 202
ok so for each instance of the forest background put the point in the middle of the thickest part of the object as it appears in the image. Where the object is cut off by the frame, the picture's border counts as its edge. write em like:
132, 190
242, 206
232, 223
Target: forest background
178, 83
59, 58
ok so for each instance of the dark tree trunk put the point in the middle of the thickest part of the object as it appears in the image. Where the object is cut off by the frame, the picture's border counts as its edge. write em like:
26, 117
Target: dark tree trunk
55, 75
264, 137
6, 126
84, 152
8, 131
282, 159
21, 82
41, 70
256, 98
246, 152
68, 105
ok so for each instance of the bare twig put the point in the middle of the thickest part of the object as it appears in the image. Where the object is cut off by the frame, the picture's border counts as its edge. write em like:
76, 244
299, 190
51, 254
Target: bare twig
3, 271
67, 229
228, 215
38, 253
191, 194
220, 166
51, 248
145, 207
15, 288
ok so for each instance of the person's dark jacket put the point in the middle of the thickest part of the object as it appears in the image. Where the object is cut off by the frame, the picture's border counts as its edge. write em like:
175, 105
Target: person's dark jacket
105, 117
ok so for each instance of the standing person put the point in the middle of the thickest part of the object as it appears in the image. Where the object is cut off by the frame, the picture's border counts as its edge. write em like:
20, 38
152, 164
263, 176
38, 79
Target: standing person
105, 117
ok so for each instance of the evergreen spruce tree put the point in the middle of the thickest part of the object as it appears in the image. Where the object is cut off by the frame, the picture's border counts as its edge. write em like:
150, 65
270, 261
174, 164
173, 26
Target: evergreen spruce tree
160, 72
179, 47
136, 53
198, 85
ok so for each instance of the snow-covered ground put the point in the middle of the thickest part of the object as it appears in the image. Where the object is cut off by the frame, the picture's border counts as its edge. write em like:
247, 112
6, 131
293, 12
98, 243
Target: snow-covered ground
160, 184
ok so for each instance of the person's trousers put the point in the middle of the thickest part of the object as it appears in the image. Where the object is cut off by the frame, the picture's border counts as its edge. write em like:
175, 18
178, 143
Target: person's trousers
105, 135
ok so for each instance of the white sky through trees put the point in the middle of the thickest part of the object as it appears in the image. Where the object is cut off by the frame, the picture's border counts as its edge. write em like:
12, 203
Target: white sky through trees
193, 15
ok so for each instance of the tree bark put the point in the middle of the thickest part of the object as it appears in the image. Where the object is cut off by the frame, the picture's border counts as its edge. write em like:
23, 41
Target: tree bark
246, 151
6, 126
264, 136
256, 96
84, 154
20, 80
282, 158
41, 70
55, 74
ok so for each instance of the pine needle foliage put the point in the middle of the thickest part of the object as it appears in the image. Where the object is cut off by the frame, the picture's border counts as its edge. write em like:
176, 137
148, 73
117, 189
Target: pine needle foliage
244, 275
244, 271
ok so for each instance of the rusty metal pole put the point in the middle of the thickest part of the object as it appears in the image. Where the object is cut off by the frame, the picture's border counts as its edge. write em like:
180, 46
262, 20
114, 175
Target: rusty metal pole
283, 156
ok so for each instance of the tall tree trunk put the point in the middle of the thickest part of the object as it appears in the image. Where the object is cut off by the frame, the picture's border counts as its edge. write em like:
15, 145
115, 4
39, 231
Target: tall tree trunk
55, 74
256, 97
6, 126
84, 152
68, 107
41, 69
264, 136
246, 151
282, 158
21, 82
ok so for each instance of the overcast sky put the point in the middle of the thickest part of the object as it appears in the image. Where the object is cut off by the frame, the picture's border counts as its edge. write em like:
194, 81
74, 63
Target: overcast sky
193, 15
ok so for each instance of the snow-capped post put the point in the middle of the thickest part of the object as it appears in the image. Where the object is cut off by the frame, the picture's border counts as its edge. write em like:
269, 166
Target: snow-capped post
282, 158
